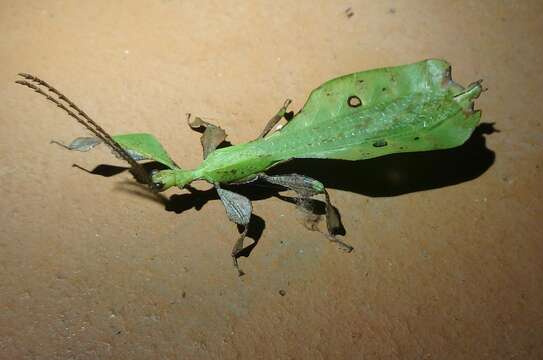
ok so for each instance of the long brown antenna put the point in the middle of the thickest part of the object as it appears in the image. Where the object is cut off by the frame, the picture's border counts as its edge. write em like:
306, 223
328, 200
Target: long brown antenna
81, 117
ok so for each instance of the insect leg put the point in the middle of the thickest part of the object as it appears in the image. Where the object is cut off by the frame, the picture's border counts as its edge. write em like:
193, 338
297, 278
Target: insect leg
306, 188
238, 209
275, 119
212, 135
333, 223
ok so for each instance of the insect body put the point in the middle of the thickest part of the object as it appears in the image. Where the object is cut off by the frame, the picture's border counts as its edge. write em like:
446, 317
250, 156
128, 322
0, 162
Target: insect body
407, 108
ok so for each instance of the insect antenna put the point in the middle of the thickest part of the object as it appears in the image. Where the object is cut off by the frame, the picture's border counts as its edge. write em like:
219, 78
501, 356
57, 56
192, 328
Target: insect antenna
81, 117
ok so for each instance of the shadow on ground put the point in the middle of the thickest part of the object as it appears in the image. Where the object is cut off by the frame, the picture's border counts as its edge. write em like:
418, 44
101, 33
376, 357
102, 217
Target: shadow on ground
399, 174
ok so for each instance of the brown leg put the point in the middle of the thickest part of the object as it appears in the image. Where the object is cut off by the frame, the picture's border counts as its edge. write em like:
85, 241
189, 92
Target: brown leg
238, 209
275, 119
238, 247
212, 135
333, 223
307, 187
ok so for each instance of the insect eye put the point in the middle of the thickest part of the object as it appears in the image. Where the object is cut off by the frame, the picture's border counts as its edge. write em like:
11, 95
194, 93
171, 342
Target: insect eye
158, 186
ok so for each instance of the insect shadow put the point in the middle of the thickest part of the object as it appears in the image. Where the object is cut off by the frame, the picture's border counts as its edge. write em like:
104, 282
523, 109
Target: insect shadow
402, 173
390, 175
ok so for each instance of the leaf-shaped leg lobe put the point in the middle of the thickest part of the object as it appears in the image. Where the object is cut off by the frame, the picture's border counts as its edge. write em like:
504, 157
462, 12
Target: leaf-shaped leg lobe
212, 136
306, 188
238, 209
85, 144
302, 185
80, 144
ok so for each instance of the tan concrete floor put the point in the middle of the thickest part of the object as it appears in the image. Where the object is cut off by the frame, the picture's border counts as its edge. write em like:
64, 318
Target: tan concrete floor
448, 245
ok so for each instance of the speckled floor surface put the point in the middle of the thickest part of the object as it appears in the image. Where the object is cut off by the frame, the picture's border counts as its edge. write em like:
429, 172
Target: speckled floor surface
448, 245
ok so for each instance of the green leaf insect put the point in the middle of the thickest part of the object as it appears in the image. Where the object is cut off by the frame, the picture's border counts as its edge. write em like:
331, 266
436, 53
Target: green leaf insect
408, 108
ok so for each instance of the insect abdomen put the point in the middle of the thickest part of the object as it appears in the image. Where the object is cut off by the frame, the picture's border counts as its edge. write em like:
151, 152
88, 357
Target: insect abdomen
418, 122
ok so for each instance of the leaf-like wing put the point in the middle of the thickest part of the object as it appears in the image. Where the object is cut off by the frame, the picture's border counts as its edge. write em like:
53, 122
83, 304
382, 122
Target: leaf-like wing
146, 146
349, 93
415, 107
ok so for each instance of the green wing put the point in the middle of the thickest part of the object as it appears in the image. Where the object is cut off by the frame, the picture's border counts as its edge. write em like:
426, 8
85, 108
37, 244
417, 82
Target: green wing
415, 107
331, 100
145, 147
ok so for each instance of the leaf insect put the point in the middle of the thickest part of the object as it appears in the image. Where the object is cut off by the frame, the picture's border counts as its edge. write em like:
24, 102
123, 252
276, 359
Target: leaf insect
407, 108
